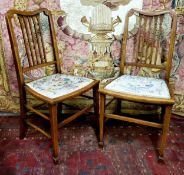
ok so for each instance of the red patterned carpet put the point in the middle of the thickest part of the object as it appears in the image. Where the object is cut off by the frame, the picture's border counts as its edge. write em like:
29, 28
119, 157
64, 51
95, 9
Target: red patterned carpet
129, 150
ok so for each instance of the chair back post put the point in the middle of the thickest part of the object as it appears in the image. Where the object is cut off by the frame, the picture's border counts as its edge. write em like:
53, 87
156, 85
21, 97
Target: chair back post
148, 46
172, 45
53, 36
14, 48
124, 43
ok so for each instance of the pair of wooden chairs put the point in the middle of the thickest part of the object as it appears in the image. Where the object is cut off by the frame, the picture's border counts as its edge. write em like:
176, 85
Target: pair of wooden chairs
36, 30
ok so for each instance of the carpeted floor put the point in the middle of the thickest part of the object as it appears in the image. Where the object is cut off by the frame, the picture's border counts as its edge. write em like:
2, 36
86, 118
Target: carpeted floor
129, 150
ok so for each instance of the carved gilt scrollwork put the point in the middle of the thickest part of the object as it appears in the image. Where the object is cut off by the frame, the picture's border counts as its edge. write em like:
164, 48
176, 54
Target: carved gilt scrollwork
20, 4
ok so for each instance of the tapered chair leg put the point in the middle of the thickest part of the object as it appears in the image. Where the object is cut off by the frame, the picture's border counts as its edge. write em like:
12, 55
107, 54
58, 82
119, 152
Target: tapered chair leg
166, 122
23, 113
101, 120
59, 109
96, 104
54, 132
118, 107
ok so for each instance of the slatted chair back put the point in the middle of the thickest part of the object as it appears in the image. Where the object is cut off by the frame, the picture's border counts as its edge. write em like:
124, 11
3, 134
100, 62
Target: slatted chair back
31, 26
152, 46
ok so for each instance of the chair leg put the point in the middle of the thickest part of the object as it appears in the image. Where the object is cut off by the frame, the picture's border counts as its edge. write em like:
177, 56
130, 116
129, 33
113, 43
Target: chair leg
118, 107
59, 109
54, 132
23, 113
96, 104
101, 121
166, 122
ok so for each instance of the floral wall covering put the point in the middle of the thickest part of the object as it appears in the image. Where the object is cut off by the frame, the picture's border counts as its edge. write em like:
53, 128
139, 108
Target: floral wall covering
74, 50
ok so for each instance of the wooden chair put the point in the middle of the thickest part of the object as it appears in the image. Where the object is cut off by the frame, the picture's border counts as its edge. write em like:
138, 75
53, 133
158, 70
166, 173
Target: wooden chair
37, 31
150, 39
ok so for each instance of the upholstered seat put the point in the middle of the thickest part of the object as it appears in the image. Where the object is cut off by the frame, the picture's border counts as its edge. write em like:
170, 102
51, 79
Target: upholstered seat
149, 87
57, 85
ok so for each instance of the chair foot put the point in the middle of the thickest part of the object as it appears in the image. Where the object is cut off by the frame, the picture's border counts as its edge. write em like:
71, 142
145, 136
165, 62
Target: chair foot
21, 136
101, 144
160, 159
56, 160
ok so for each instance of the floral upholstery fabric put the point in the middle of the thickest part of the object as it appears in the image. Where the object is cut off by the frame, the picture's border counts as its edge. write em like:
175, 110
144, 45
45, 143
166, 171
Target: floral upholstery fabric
140, 86
57, 85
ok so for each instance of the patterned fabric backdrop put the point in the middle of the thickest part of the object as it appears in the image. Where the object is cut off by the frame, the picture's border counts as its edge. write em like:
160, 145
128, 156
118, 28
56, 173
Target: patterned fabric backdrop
74, 50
